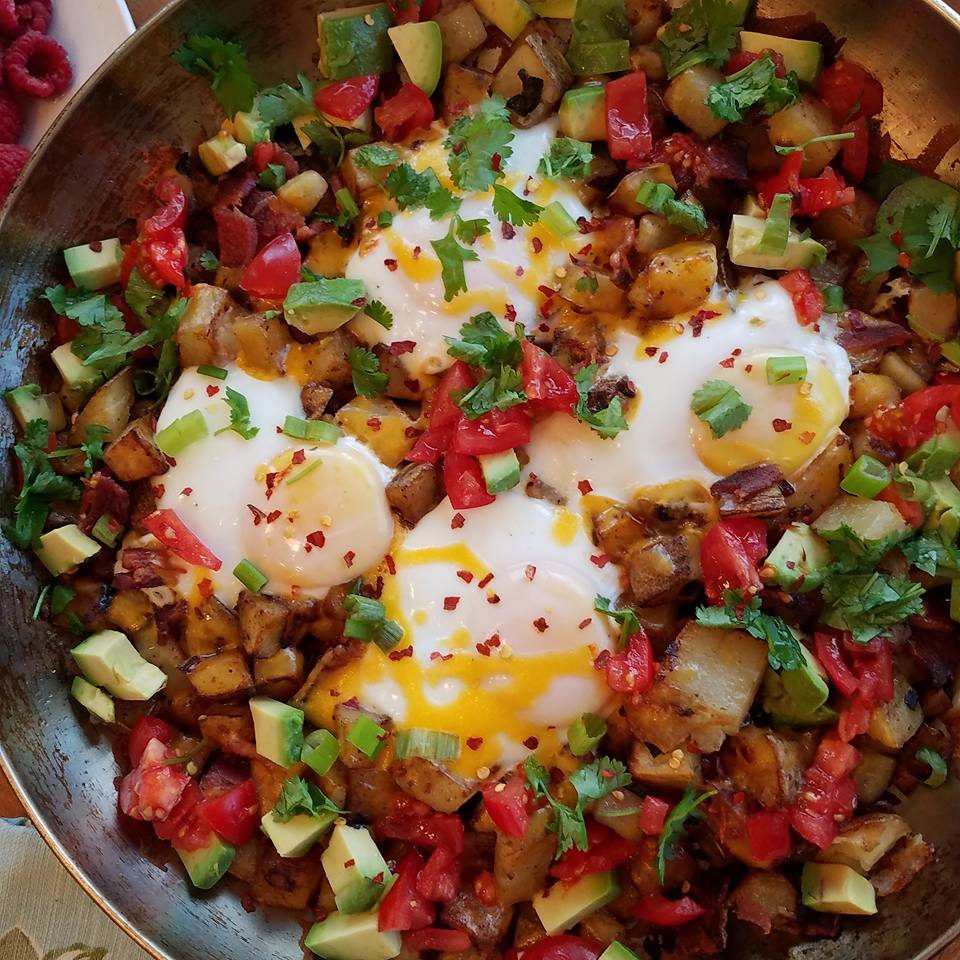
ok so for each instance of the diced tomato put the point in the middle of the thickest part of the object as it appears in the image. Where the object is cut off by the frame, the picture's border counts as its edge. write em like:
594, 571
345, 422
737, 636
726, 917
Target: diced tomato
180, 815
234, 814
656, 909
605, 851
430, 446
827, 649
507, 805
910, 510
547, 385
146, 728
494, 432
768, 835
436, 938
161, 253
428, 830
564, 946
828, 795
440, 877
456, 381
653, 813
811, 195
153, 788
408, 110
172, 214
874, 664
632, 670
403, 908
741, 59
914, 420
806, 296
729, 556
347, 99
274, 270
629, 134
856, 152
171, 531
785, 180
854, 718
464, 483
411, 11
850, 91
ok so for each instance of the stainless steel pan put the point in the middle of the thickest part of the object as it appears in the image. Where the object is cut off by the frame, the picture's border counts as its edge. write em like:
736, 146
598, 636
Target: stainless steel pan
77, 187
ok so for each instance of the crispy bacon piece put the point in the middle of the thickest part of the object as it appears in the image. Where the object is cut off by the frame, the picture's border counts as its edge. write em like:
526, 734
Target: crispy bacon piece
103, 495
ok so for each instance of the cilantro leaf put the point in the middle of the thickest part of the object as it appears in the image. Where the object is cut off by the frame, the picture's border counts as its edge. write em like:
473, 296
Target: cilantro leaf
225, 64
368, 380
629, 624
701, 31
141, 296
474, 140
719, 405
598, 779
298, 797
755, 83
281, 104
498, 390
239, 415
567, 158
452, 258
273, 177
208, 260
413, 190
890, 176
932, 555
675, 826
510, 208
662, 198
866, 603
331, 141
851, 554
92, 446
375, 156
469, 231
607, 422
378, 311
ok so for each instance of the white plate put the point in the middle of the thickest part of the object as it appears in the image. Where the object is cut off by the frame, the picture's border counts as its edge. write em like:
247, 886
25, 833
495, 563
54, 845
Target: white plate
89, 30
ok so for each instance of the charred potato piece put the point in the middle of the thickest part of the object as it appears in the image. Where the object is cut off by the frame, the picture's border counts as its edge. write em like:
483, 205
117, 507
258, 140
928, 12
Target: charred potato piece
520, 865
873, 775
677, 279
670, 507
536, 56
130, 610
863, 841
659, 568
847, 224
262, 342
280, 674
370, 791
232, 734
380, 424
806, 120
765, 898
109, 407
817, 485
210, 628
485, 925
262, 620
414, 491
893, 723
400, 386
324, 359
134, 455
674, 770
314, 397
290, 883
432, 783
686, 99
195, 332
901, 865
463, 88
766, 765
221, 676
617, 531
462, 32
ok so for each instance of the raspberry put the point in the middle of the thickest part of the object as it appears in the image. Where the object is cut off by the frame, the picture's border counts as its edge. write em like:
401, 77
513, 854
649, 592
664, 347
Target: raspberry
11, 123
17, 18
12, 161
37, 66
9, 25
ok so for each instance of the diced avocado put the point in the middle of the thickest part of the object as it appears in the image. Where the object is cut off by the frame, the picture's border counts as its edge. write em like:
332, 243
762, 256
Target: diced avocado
354, 42
206, 866
803, 57
867, 519
583, 113
108, 659
28, 403
604, 56
511, 16
565, 904
944, 505
220, 154
278, 730
77, 377
746, 234
249, 129
352, 936
355, 868
296, 836
420, 49
98, 703
798, 559
501, 471
321, 306
935, 457
797, 697
94, 266
65, 548
617, 951
835, 888
304, 191
555, 9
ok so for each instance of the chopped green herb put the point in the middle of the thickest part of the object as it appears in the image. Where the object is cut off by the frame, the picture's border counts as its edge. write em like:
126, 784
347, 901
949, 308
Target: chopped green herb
756, 83
368, 380
832, 298
207, 370
510, 208
567, 159
629, 624
413, 190
929, 553
865, 604
701, 31
250, 576
469, 231
719, 405
675, 826
475, 141
239, 415
298, 797
607, 422
347, 204
140, 296
368, 621
786, 149
209, 261
224, 64
384, 219
776, 228
375, 156
273, 177
937, 765
661, 198
782, 370
92, 446
452, 258
585, 733
378, 311
280, 105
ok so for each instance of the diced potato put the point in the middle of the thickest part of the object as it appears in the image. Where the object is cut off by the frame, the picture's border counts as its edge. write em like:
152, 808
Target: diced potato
221, 676
660, 567
933, 316
873, 775
624, 198
677, 279
538, 54
765, 898
261, 342
130, 610
281, 674
898, 370
592, 291
862, 841
329, 254
324, 360
262, 620
806, 120
901, 865
304, 191
686, 99
520, 865
870, 391
674, 770
645, 18
670, 507
432, 783
370, 790
134, 455
194, 334
817, 485
462, 31
893, 724
646, 57
109, 407
463, 88
868, 519
617, 530
380, 424
210, 628
849, 223
414, 491
232, 732
400, 385
767, 765
706, 685
286, 882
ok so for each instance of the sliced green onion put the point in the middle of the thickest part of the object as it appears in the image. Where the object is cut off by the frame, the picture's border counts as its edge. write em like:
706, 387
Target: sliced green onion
556, 219
585, 733
107, 530
866, 478
252, 578
320, 751
315, 430
832, 298
368, 621
429, 744
181, 433
306, 471
367, 736
786, 370
346, 202
617, 951
384, 219
218, 373
654, 195
776, 230
938, 766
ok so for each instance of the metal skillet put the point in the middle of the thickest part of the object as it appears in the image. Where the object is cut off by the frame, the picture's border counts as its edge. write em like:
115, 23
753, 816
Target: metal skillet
80, 178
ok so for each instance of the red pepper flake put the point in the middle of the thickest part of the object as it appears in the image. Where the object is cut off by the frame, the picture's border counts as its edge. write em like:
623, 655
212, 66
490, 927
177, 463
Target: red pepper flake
585, 487
529, 571
584, 250
273, 516
736, 351
316, 539
493, 640
349, 863
531, 743
258, 514
349, 557
465, 575
541, 624
390, 564
749, 368
519, 271
495, 162
511, 313
378, 878
457, 521
896, 238
278, 429
374, 424
416, 252
780, 425
399, 347
548, 292
474, 743
583, 624
378, 589
270, 480
400, 654
537, 244
663, 357
506, 230
650, 351
483, 650
807, 437
298, 457
186, 491
904, 260
212, 390
159, 490
600, 560
543, 328
699, 318
450, 603
482, 583
728, 363
205, 587
412, 385
437, 655
493, 598
391, 265
458, 149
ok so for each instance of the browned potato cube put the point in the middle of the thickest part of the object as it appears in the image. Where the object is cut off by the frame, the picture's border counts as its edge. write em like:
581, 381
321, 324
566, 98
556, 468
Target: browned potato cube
130, 610
847, 224
766, 765
263, 620
520, 865
324, 359
538, 54
870, 391
617, 530
195, 332
134, 455
221, 676
892, 724
432, 783
677, 279
686, 99
414, 490
232, 733
933, 316
261, 343
863, 841
463, 88
462, 31
673, 770
380, 424
806, 120
329, 253
817, 485
659, 568
109, 407
290, 883
279, 675
210, 628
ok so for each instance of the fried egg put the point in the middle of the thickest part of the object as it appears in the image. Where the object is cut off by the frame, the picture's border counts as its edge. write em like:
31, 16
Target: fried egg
401, 269
788, 425
500, 634
261, 499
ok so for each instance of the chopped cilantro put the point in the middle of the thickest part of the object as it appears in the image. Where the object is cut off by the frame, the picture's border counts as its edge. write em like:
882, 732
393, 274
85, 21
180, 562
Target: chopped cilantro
719, 405
452, 258
239, 415
662, 198
756, 83
932, 555
331, 141
374, 156
475, 140
866, 603
378, 311
510, 208
297, 797
890, 176
675, 826
851, 554
629, 624
607, 422
141, 296
413, 190
469, 231
273, 177
92, 446
368, 380
279, 105
224, 64
587, 284
701, 31
785, 149
567, 158
209, 261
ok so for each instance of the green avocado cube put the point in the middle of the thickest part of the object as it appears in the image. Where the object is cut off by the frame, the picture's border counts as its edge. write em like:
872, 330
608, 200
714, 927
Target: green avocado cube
837, 888
96, 265
604, 56
206, 867
98, 703
617, 951
77, 377
797, 697
249, 129
28, 403
799, 559
803, 57
420, 49
352, 936
65, 548
108, 659
564, 905
355, 869
583, 113
501, 471
743, 245
324, 305
295, 837
278, 730
354, 41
